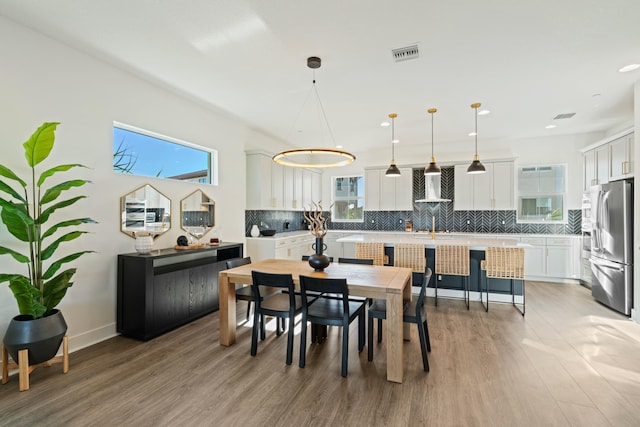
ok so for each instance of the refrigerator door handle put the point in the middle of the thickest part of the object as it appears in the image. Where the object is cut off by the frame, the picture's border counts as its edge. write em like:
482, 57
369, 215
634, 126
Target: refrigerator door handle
606, 264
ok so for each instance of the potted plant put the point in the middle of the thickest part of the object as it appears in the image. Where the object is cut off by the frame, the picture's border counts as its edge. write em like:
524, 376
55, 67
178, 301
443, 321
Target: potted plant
27, 214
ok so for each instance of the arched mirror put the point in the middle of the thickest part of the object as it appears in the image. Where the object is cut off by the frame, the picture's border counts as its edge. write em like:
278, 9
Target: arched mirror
197, 214
145, 209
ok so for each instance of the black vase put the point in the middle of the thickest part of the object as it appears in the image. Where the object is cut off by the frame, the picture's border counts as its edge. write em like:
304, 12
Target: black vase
319, 261
42, 337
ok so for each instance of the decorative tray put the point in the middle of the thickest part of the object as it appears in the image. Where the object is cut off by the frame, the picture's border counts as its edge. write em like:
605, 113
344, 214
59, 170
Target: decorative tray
192, 246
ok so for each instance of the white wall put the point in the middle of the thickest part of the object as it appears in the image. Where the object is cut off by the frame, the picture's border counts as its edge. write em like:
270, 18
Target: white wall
42, 80
635, 313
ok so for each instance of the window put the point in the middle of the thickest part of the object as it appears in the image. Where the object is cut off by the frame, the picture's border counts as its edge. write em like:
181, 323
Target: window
348, 199
140, 152
541, 194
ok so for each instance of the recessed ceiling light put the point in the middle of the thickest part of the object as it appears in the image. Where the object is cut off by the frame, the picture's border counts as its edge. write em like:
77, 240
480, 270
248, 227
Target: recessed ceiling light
550, 126
338, 146
629, 67
395, 141
385, 124
483, 112
472, 134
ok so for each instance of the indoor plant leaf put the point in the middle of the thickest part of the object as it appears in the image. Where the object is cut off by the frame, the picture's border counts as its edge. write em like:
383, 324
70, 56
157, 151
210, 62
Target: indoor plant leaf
17, 220
27, 297
56, 288
44, 216
52, 193
67, 223
54, 267
40, 144
8, 173
47, 252
10, 191
61, 168
16, 255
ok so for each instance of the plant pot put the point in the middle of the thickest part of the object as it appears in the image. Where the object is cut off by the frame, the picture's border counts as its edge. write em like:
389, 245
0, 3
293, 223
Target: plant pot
42, 337
319, 261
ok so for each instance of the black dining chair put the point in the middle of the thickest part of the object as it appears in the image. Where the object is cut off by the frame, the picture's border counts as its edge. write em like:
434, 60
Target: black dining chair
284, 305
414, 312
355, 261
331, 312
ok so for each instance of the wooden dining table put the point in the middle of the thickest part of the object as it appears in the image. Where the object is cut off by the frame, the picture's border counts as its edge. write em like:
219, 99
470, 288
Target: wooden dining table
392, 284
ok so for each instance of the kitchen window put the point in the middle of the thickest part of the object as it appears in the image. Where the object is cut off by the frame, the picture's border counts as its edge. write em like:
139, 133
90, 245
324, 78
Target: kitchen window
542, 194
348, 199
141, 152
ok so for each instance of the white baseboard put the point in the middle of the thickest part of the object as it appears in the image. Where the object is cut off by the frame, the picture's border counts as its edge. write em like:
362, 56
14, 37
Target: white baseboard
92, 337
635, 315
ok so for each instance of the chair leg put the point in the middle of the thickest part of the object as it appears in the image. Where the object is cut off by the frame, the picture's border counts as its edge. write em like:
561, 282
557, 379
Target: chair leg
423, 346
290, 341
248, 310
370, 338
361, 331
303, 342
426, 331
513, 297
435, 282
254, 332
484, 284
345, 349
379, 330
466, 289
262, 327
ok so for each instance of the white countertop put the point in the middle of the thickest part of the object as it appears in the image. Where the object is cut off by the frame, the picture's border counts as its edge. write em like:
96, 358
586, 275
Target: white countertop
477, 244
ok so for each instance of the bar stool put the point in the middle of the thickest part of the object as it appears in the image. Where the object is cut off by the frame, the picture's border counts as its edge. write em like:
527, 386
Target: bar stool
504, 263
374, 251
453, 260
410, 255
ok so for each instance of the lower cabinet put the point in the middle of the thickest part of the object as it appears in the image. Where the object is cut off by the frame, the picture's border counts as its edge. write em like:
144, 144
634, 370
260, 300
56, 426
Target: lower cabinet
289, 247
552, 257
168, 288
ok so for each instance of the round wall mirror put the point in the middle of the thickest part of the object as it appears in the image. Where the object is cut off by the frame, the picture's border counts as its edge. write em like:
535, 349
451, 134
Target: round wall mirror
145, 209
197, 214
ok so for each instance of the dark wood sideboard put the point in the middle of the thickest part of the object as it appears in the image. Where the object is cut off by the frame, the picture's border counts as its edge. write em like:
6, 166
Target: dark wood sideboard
167, 288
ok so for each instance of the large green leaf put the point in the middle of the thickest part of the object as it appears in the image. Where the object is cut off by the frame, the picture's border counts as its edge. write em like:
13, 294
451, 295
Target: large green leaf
10, 191
8, 173
27, 296
8, 277
54, 267
61, 168
44, 216
40, 144
56, 288
68, 223
49, 250
52, 193
17, 220
16, 255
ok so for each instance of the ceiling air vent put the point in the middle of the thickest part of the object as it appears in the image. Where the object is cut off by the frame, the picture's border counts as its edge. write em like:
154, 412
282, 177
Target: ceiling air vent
405, 53
564, 116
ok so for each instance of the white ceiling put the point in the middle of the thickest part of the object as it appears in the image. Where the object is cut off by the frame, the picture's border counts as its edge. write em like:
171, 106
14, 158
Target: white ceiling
526, 62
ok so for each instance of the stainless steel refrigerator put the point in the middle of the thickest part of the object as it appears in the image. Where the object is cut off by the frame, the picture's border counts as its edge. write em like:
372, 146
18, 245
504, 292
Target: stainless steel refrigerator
612, 245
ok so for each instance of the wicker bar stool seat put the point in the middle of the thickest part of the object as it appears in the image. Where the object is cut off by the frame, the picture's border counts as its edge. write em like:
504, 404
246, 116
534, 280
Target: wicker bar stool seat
504, 263
453, 260
374, 251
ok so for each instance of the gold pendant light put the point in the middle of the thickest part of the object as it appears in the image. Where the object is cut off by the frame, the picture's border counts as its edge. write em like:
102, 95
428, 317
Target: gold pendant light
433, 168
475, 166
393, 170
315, 157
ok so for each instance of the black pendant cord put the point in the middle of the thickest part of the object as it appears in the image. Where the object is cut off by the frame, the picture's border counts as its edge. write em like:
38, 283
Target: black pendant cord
324, 114
432, 135
476, 133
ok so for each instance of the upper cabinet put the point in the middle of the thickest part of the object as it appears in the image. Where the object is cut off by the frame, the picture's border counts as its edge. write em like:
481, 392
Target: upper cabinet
609, 161
384, 193
272, 186
492, 190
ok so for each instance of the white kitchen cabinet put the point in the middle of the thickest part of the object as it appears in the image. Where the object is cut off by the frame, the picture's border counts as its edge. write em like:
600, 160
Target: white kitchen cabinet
560, 258
590, 169
602, 165
386, 193
492, 190
621, 157
334, 249
284, 247
258, 181
552, 257
277, 186
534, 257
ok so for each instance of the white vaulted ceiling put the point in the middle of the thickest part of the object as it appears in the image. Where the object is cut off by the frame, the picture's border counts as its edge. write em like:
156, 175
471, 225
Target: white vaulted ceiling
526, 62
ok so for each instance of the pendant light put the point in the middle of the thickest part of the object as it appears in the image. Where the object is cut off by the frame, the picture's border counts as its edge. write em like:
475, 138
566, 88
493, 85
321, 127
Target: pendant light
315, 157
393, 170
476, 166
433, 168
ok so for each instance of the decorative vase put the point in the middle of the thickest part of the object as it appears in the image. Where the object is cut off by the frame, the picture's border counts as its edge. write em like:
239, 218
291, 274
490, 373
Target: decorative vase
255, 232
144, 243
318, 260
42, 337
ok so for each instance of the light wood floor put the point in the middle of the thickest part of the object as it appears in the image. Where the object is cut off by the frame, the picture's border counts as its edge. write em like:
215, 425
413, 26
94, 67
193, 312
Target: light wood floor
570, 361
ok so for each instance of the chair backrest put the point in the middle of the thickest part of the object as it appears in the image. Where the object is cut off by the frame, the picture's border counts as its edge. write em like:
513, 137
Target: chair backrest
283, 281
322, 285
423, 290
355, 261
374, 251
237, 262
452, 260
505, 263
410, 255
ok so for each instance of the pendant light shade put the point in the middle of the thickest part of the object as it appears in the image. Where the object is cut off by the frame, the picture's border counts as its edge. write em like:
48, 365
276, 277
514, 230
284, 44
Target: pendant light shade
393, 170
315, 157
475, 166
433, 168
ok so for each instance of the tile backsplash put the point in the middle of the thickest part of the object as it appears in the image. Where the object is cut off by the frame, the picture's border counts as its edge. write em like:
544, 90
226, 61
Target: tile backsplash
446, 219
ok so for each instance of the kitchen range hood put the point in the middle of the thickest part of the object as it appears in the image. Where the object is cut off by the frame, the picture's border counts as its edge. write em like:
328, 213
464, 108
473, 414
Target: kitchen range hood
432, 190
